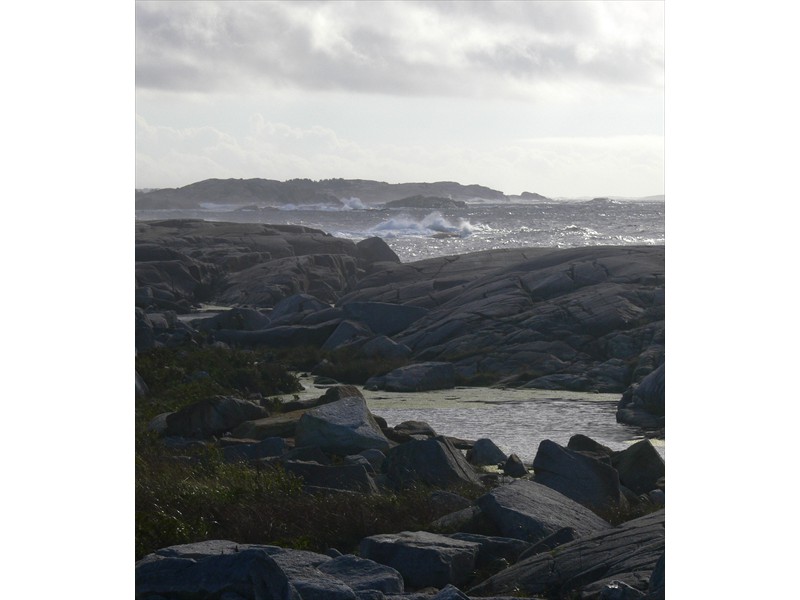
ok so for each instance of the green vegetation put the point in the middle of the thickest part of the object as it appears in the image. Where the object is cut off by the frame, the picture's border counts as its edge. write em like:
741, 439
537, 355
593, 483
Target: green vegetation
176, 377
190, 494
182, 499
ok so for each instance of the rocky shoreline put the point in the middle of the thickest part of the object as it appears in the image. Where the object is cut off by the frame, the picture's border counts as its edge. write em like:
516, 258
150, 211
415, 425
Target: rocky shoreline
581, 520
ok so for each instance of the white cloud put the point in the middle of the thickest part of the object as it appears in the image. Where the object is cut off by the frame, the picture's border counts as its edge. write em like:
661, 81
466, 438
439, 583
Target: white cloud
408, 48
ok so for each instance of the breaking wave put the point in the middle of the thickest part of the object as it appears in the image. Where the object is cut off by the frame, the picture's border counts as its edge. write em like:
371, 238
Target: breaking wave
431, 224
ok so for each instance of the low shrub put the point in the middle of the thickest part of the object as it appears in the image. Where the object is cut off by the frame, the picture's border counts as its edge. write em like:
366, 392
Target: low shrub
176, 377
183, 499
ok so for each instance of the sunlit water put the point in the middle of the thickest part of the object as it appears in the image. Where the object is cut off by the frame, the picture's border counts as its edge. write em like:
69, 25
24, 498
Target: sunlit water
516, 420
418, 233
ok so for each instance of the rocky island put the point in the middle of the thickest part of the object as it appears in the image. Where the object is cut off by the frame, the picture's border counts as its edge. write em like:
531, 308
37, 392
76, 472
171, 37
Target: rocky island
246, 492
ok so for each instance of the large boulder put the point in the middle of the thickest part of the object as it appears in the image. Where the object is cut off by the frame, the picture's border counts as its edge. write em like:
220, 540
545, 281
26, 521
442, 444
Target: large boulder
622, 553
582, 478
212, 416
643, 404
423, 559
250, 574
433, 461
640, 466
362, 574
485, 452
348, 477
530, 511
342, 427
420, 377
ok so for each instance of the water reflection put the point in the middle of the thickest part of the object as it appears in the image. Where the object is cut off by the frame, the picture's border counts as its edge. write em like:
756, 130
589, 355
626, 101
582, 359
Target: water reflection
516, 420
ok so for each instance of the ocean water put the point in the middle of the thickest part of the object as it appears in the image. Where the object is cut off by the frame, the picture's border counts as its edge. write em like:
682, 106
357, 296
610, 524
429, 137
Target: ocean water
418, 233
516, 420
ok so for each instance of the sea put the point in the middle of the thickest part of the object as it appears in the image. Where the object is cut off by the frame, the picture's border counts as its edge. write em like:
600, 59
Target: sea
516, 420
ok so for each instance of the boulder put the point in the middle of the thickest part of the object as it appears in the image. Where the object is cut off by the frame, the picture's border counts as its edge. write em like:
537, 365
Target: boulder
450, 592
514, 467
423, 559
530, 511
415, 429
362, 574
583, 443
493, 548
347, 477
250, 574
303, 569
342, 427
655, 587
620, 553
582, 478
375, 458
294, 308
434, 461
374, 250
643, 404
485, 452
283, 425
420, 377
213, 416
640, 466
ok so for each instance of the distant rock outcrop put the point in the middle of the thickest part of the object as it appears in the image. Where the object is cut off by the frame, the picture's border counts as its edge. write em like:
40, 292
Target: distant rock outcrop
429, 202
268, 192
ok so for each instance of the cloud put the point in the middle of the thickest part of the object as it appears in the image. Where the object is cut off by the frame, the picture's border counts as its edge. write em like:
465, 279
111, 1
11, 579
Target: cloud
403, 48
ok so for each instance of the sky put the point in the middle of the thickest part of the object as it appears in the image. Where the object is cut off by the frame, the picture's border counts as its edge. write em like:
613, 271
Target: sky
565, 99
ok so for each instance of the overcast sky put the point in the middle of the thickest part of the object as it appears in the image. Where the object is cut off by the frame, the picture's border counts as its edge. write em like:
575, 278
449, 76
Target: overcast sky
561, 98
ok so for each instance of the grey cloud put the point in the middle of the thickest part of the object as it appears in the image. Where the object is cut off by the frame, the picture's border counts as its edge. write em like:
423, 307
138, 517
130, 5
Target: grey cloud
481, 45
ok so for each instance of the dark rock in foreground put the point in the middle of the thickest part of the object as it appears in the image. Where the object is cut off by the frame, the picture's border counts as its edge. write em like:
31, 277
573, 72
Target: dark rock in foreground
643, 404
424, 559
434, 461
586, 480
628, 553
529, 511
